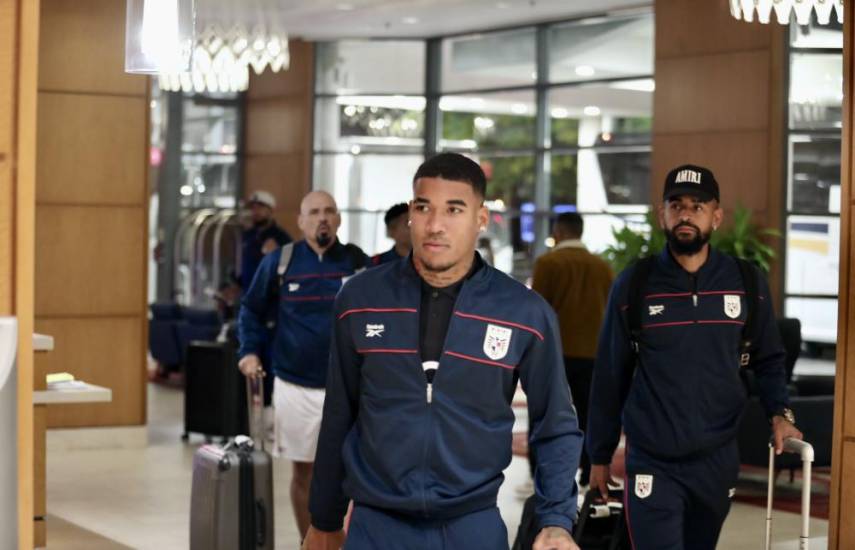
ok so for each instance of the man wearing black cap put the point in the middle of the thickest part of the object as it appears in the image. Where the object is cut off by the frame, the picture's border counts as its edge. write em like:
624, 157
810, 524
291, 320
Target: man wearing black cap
667, 371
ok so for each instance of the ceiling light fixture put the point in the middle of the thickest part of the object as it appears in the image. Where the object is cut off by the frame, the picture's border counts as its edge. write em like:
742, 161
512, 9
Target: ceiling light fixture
585, 70
591, 110
231, 38
744, 9
158, 35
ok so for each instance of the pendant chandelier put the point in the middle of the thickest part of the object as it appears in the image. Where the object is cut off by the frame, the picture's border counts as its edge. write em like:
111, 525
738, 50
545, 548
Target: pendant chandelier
744, 9
231, 38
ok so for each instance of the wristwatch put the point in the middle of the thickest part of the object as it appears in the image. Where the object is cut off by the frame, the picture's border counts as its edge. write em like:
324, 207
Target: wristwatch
786, 414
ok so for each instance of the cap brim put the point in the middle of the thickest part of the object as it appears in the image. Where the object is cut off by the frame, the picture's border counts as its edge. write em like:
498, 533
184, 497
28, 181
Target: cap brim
692, 191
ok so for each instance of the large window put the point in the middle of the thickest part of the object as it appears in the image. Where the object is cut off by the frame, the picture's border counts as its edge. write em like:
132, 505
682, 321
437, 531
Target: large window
369, 130
558, 115
813, 182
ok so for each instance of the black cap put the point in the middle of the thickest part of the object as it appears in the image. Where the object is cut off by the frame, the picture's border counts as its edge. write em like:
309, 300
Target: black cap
689, 179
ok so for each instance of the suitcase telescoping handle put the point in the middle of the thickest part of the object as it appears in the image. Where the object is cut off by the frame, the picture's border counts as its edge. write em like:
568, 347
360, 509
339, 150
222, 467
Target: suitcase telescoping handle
805, 451
255, 402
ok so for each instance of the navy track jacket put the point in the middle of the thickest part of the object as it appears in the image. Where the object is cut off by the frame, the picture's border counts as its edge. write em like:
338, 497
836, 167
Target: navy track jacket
386, 444
686, 396
304, 303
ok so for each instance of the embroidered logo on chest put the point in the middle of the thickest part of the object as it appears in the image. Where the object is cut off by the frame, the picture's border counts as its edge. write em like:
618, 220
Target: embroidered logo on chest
293, 287
372, 331
497, 342
655, 310
732, 305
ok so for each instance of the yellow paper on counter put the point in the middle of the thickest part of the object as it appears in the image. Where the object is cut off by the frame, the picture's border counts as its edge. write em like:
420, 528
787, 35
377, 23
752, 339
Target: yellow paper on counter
59, 377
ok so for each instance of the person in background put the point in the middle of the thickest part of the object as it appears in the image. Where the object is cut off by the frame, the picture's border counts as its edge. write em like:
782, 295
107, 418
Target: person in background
576, 284
301, 294
262, 237
396, 220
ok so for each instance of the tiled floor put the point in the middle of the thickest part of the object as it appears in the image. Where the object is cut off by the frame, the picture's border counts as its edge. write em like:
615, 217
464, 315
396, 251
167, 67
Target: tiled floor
140, 499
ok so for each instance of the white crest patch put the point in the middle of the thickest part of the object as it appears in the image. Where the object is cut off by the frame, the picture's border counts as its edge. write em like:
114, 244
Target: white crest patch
655, 310
372, 331
293, 287
732, 305
497, 342
731, 492
643, 485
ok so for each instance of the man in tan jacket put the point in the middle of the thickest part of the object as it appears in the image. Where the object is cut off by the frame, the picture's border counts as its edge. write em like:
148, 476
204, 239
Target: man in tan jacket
576, 284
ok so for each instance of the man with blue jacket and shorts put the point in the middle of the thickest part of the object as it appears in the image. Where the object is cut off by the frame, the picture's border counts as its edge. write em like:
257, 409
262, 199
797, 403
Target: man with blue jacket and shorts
426, 355
297, 285
668, 372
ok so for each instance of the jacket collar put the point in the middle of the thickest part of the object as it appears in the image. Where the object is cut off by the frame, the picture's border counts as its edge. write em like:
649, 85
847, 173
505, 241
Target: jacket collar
570, 243
480, 272
666, 259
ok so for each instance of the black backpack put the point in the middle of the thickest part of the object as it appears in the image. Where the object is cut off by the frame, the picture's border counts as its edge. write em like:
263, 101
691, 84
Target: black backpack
638, 282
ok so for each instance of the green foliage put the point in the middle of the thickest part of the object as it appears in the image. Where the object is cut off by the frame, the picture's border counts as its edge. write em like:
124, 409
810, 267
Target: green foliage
740, 238
743, 239
631, 244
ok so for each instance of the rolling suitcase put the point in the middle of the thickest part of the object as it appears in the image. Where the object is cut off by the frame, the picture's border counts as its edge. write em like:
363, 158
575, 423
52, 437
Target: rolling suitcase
231, 505
805, 450
214, 401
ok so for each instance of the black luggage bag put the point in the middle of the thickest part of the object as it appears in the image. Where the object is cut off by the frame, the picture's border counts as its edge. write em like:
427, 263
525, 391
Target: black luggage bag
215, 402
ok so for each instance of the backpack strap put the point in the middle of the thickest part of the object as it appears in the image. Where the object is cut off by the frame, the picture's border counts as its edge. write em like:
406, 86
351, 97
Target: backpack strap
284, 262
749, 330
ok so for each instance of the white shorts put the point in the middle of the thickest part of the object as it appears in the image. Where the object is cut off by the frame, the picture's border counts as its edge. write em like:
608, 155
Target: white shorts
297, 423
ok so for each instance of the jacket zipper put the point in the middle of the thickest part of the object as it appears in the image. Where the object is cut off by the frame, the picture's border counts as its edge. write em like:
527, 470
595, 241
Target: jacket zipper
694, 289
429, 405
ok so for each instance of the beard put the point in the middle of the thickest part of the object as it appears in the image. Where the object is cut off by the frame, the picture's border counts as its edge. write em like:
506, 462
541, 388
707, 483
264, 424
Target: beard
683, 247
323, 237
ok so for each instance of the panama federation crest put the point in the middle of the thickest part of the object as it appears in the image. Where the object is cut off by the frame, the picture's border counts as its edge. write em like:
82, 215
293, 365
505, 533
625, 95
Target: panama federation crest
497, 342
732, 305
643, 485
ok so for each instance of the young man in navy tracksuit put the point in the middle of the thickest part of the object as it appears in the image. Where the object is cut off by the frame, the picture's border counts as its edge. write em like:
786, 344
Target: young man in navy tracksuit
679, 397
300, 294
425, 359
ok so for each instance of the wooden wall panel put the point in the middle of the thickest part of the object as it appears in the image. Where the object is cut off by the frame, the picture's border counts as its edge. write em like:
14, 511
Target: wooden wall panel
700, 27
279, 134
7, 69
82, 48
90, 262
7, 237
92, 202
105, 167
278, 126
712, 92
98, 350
734, 155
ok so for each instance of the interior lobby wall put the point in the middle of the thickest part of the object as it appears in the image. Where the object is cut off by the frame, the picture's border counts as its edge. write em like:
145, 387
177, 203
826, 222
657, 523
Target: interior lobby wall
278, 134
19, 31
91, 211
